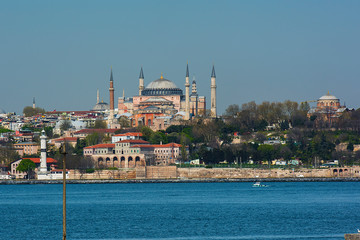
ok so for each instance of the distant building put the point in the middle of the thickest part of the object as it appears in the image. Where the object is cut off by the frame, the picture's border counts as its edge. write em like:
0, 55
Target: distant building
17, 174
328, 108
26, 148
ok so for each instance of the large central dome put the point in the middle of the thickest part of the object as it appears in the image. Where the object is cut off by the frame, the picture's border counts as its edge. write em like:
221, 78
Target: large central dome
161, 87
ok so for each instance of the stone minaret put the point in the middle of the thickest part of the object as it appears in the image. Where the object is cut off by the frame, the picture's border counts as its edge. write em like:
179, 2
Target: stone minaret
111, 90
43, 166
97, 97
213, 93
187, 94
141, 81
194, 98
33, 102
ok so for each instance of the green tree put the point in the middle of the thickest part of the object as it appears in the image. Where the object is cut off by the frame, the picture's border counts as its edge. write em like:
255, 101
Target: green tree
26, 165
232, 110
94, 138
158, 137
30, 111
124, 122
65, 125
146, 132
350, 147
100, 124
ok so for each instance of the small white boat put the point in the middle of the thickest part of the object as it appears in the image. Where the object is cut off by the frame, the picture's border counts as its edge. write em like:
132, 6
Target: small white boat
258, 184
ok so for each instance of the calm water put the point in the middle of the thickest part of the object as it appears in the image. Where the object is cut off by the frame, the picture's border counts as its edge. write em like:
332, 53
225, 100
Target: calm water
193, 211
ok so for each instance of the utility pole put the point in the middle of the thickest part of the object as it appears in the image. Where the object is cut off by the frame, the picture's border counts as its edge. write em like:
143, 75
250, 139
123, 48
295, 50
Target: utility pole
64, 190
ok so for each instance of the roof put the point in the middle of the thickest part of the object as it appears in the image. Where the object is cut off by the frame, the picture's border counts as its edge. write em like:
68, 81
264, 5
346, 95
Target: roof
22, 143
103, 145
161, 83
156, 99
328, 97
129, 134
135, 141
70, 139
87, 131
37, 160
168, 145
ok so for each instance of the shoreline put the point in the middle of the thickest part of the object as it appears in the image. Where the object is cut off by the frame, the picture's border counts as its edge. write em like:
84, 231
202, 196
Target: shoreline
178, 180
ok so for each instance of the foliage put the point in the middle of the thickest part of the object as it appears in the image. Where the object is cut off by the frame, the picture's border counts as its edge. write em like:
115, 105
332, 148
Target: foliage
93, 139
30, 111
100, 124
26, 165
65, 125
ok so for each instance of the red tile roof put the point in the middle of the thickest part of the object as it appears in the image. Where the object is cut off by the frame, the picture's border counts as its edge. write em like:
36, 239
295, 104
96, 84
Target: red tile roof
104, 145
135, 141
70, 139
169, 145
37, 160
129, 134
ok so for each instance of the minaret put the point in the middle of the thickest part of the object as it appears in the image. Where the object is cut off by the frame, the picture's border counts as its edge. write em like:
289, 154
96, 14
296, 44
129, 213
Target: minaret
111, 90
141, 81
194, 98
43, 166
97, 97
213, 93
33, 102
187, 94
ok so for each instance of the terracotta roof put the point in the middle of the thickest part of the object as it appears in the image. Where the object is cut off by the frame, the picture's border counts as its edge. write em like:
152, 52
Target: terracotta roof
37, 160
70, 139
138, 141
175, 145
96, 130
104, 145
129, 134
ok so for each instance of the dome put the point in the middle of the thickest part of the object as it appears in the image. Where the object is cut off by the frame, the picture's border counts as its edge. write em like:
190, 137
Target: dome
161, 87
101, 106
328, 97
161, 83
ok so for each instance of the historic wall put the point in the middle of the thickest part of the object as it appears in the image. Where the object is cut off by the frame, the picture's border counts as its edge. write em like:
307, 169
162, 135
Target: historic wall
171, 172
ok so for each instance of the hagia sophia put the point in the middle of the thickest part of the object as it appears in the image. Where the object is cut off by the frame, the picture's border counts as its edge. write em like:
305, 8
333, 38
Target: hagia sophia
159, 104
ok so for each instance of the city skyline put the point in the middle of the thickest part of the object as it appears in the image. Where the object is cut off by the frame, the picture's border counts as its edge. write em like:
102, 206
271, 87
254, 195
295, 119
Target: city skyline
61, 52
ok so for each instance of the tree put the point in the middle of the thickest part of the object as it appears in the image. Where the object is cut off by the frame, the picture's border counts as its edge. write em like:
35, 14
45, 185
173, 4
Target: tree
94, 138
158, 137
350, 147
26, 165
65, 125
100, 124
30, 111
232, 110
124, 122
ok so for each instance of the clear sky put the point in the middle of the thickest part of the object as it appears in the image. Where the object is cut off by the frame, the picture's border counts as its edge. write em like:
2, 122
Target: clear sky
60, 52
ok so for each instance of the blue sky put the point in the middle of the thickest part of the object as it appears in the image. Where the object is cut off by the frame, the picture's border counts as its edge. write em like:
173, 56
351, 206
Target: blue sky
60, 52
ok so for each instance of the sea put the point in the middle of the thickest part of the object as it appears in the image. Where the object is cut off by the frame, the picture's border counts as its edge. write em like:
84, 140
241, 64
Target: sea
181, 211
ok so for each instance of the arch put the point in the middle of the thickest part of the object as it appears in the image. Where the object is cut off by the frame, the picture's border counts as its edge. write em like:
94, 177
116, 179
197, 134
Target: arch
116, 162
130, 158
137, 159
149, 122
335, 171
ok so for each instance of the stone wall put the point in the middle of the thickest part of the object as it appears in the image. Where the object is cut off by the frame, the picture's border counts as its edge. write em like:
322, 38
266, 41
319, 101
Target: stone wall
172, 172
352, 236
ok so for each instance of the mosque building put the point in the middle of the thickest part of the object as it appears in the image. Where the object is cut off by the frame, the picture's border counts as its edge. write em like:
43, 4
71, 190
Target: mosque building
161, 102
328, 108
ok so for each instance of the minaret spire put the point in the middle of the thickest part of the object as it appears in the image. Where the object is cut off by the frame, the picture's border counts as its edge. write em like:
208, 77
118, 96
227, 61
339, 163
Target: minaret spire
187, 94
33, 102
213, 75
213, 93
111, 91
141, 81
97, 97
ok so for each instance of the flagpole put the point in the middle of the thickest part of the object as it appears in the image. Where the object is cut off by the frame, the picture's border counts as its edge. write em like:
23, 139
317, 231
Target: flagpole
64, 191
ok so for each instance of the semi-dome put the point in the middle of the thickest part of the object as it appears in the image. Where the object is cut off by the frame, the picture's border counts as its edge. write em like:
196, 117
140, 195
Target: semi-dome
161, 87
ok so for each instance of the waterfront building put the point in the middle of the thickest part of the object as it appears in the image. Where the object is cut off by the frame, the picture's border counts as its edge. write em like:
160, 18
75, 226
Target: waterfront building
26, 148
133, 153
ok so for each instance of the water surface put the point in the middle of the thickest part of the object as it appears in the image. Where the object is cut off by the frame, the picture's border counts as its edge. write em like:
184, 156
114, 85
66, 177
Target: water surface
181, 211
